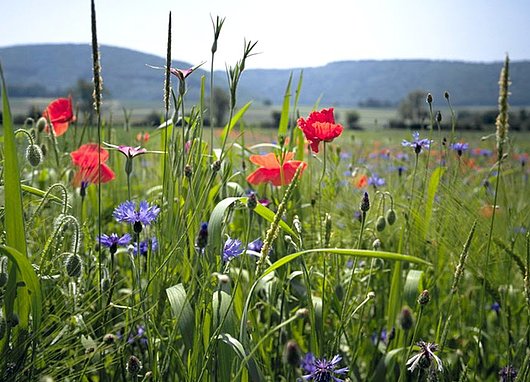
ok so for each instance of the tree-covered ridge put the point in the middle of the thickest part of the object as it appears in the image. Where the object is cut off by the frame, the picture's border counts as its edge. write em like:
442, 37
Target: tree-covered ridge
47, 70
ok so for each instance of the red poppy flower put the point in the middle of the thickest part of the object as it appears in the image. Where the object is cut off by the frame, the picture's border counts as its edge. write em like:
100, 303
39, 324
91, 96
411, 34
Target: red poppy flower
320, 126
59, 113
271, 171
86, 158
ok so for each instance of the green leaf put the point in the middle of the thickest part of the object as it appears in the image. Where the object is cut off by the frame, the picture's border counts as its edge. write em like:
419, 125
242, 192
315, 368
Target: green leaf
235, 119
217, 218
215, 224
284, 118
26, 289
339, 251
413, 286
14, 221
434, 181
37, 192
182, 312
237, 347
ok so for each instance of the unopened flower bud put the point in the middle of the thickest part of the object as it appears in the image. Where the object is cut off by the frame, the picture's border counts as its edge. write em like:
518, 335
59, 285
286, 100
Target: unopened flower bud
216, 166
424, 298
252, 201
446, 95
380, 223
223, 279
291, 353
44, 149
429, 98
73, 265
406, 320
302, 312
438, 116
34, 155
376, 244
133, 365
391, 216
109, 338
188, 171
365, 203
41, 124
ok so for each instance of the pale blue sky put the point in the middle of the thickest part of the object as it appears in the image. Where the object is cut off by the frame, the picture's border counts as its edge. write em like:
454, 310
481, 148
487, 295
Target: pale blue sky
290, 33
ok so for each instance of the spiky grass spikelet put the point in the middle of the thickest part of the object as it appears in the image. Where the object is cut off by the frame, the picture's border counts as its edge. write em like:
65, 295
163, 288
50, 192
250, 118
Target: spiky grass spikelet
462, 260
502, 118
96, 66
272, 233
167, 81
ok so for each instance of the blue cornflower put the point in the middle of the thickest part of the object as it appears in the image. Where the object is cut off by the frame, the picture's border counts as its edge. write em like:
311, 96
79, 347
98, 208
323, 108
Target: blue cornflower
139, 338
145, 215
376, 181
255, 245
144, 246
202, 237
417, 143
496, 307
112, 241
459, 147
322, 370
232, 248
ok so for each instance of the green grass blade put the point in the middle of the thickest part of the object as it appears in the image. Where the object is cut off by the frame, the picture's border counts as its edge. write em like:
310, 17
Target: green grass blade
182, 312
413, 286
27, 289
14, 220
235, 119
434, 181
239, 350
217, 217
284, 118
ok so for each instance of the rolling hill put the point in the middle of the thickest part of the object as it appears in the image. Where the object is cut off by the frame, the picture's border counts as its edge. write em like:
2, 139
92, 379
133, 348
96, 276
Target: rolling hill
52, 69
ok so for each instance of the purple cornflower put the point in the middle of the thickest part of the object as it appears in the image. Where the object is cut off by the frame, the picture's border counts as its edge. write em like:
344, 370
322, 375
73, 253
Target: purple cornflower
144, 246
139, 337
307, 363
496, 307
322, 370
145, 215
460, 147
376, 181
255, 245
508, 373
383, 337
232, 248
424, 357
418, 144
112, 241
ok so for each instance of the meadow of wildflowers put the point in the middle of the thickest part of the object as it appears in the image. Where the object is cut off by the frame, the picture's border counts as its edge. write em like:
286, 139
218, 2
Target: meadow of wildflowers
320, 255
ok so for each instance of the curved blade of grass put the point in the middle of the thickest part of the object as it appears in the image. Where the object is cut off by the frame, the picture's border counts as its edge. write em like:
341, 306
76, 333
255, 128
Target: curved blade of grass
217, 217
37, 192
14, 220
339, 251
237, 347
26, 288
284, 118
413, 286
17, 297
434, 181
182, 312
235, 119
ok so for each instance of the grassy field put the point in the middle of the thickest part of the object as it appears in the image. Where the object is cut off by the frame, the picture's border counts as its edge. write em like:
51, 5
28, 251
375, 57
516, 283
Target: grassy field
304, 252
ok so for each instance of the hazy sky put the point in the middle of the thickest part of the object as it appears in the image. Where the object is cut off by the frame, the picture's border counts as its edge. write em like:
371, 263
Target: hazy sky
290, 33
